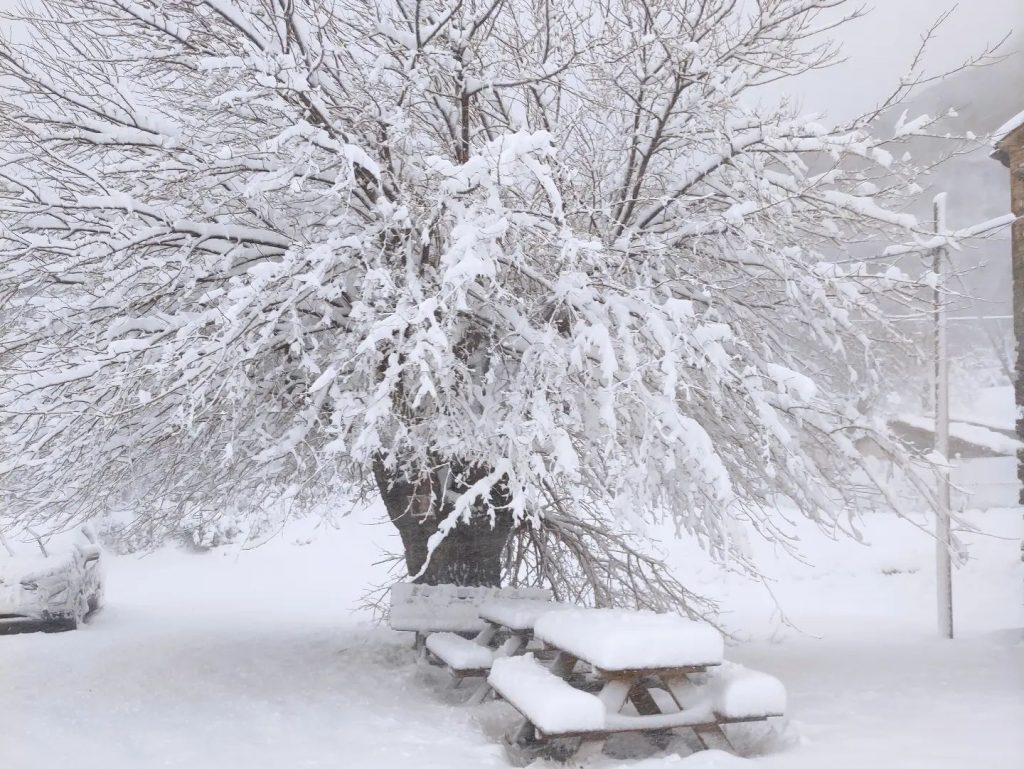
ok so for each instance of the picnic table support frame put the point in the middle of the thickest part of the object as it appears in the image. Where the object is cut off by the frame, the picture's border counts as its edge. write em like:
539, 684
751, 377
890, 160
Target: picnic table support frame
419, 645
711, 736
613, 696
509, 648
526, 743
640, 696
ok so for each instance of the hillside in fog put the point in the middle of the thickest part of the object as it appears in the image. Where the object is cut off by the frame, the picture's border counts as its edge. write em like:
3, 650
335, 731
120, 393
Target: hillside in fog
978, 186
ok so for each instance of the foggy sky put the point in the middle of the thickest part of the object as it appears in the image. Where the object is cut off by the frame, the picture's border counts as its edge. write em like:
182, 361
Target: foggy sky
880, 46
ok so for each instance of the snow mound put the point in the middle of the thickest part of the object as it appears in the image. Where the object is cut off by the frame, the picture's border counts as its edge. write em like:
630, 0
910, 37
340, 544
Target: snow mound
28, 565
704, 759
619, 639
551, 704
459, 653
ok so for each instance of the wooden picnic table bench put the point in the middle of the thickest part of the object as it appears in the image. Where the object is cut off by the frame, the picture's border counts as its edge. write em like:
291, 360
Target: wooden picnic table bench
670, 669
508, 631
426, 609
450, 630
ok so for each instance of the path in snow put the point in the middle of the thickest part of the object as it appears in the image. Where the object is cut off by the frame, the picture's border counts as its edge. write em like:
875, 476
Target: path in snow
218, 662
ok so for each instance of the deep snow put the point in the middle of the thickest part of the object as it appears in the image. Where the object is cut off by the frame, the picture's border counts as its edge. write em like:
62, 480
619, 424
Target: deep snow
255, 659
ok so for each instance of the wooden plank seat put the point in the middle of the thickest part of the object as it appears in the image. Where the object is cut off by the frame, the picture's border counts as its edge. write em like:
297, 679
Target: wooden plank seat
462, 656
731, 694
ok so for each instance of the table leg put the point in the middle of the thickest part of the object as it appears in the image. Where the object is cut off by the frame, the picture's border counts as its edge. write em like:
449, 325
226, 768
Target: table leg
481, 693
613, 695
521, 744
710, 735
563, 664
640, 696
642, 700
512, 645
420, 646
525, 733
679, 687
484, 636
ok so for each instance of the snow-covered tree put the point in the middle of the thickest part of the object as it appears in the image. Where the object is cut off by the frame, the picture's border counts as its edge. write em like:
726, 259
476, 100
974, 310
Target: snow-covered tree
541, 273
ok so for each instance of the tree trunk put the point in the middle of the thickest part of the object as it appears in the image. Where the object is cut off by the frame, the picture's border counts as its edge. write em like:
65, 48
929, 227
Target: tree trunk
471, 552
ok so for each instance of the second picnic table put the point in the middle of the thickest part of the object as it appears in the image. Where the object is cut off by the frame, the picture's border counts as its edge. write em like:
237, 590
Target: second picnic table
669, 668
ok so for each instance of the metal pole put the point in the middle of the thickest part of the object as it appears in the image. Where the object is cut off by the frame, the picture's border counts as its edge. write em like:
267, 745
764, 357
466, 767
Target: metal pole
943, 571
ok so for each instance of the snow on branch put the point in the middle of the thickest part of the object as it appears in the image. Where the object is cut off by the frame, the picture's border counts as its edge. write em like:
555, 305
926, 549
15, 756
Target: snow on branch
271, 253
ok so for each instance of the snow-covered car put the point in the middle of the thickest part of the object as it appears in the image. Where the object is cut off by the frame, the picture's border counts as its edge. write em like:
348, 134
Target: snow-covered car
53, 582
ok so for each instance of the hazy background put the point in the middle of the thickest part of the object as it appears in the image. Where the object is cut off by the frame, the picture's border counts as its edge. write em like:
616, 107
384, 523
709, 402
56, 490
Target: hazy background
880, 47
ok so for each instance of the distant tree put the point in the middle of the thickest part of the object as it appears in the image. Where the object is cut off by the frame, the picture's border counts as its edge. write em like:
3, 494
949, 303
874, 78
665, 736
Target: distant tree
542, 274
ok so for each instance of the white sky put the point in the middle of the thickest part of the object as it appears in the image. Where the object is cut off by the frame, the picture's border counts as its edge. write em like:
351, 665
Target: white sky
880, 46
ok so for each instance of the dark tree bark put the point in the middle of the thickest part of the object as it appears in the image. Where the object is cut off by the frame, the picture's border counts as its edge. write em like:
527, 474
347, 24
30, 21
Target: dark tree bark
470, 554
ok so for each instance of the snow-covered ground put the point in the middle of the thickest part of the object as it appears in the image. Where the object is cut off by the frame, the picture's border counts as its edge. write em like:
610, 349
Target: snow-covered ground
259, 659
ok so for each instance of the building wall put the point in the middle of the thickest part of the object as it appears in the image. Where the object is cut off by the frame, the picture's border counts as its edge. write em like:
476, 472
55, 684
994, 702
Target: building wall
1011, 152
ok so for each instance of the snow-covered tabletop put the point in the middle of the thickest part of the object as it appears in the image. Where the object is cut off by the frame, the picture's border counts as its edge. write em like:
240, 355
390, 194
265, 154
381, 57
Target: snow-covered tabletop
621, 639
518, 614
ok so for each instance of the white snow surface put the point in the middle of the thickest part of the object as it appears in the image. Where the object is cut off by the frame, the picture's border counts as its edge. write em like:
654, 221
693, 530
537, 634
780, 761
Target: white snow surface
262, 659
518, 614
974, 434
621, 639
993, 407
458, 652
550, 703
22, 556
24, 564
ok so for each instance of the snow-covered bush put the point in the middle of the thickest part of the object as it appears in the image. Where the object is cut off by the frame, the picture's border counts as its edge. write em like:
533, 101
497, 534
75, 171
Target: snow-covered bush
541, 272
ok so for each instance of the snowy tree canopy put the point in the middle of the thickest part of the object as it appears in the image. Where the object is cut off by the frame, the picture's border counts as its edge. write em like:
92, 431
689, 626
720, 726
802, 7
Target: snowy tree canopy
561, 255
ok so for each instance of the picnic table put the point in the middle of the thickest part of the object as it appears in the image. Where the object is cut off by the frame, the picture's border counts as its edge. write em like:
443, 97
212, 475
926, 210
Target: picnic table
432, 609
451, 631
670, 670
508, 630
